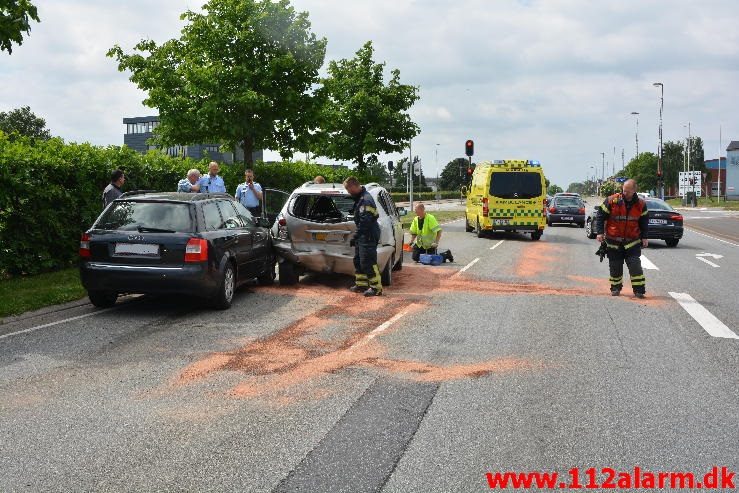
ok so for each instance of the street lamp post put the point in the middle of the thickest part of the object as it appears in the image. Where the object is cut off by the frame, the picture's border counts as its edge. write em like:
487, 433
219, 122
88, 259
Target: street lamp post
636, 135
660, 189
594, 173
603, 170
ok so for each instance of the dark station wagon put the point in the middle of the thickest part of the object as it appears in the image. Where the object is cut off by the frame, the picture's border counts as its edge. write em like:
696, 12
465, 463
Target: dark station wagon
204, 245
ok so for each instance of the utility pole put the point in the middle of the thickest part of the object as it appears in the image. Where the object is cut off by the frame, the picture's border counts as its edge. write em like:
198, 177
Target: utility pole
660, 189
623, 161
603, 170
719, 164
636, 135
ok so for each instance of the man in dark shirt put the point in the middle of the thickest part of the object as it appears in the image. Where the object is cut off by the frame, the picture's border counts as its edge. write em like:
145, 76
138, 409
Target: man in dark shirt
113, 190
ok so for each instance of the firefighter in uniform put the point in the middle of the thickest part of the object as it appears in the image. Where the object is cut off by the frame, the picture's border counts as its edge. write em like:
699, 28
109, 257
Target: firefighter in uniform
366, 238
623, 219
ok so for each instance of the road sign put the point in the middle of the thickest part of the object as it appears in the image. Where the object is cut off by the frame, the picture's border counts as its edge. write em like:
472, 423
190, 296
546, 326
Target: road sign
621, 179
690, 181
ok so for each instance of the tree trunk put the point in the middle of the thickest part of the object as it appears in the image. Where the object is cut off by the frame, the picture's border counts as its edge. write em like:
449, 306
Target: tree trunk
360, 164
248, 148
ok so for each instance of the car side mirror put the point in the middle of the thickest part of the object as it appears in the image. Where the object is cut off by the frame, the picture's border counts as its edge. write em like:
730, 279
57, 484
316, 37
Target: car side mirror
402, 211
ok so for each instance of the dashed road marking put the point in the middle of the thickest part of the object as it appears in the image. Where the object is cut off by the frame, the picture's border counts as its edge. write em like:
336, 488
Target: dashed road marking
381, 328
711, 324
467, 266
496, 245
647, 264
708, 262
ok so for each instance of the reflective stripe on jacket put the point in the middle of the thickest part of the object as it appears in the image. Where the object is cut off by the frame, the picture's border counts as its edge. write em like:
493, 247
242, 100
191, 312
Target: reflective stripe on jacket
625, 223
427, 235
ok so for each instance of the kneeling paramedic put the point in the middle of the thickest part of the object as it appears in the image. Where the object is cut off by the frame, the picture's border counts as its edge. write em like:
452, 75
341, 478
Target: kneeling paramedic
623, 218
366, 238
425, 233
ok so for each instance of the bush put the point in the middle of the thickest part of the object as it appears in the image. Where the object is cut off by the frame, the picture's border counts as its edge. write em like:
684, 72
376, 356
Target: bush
425, 196
52, 192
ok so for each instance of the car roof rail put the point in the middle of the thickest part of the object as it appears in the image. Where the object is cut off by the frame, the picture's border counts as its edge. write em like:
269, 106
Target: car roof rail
136, 192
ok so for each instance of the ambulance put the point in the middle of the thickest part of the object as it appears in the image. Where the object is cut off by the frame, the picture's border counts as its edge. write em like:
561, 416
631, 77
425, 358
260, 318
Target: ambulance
507, 195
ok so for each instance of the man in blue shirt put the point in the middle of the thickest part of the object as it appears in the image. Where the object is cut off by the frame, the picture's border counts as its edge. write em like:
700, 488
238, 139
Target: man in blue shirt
212, 183
249, 194
191, 184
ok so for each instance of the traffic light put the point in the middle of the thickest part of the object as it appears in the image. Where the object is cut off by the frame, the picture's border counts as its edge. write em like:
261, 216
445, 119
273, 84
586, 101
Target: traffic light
469, 148
390, 166
469, 171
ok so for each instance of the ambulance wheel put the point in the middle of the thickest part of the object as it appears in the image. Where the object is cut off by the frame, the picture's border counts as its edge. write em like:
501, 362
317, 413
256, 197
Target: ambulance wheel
386, 276
467, 226
478, 229
536, 235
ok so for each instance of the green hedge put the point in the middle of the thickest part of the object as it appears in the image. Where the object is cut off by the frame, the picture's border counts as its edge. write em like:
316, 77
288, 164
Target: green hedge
51, 192
404, 197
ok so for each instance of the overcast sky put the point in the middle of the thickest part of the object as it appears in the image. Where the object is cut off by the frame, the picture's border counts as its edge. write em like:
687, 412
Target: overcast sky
554, 80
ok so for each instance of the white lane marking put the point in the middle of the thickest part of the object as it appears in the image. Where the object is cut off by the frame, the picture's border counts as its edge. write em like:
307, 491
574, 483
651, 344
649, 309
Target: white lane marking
496, 245
707, 261
712, 237
647, 264
715, 256
51, 324
706, 319
380, 328
466, 267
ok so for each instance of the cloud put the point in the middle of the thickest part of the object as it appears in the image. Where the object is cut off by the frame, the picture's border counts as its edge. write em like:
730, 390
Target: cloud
554, 80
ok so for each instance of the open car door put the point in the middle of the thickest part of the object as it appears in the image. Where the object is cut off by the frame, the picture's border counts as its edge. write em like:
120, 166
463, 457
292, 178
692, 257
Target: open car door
274, 200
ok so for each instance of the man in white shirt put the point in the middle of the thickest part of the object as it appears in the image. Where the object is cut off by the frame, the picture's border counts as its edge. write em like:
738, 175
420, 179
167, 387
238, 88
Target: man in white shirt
250, 194
212, 183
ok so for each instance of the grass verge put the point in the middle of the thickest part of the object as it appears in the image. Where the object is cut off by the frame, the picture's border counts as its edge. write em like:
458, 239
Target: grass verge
708, 202
441, 216
21, 294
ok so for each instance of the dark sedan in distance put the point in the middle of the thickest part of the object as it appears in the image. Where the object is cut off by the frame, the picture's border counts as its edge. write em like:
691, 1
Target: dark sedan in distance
204, 245
567, 209
665, 223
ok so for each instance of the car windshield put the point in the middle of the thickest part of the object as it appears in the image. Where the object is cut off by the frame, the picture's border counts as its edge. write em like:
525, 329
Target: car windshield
515, 185
568, 202
658, 205
137, 215
322, 208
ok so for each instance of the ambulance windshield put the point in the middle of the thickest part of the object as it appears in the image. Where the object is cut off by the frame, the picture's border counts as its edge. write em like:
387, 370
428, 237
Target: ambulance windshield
515, 185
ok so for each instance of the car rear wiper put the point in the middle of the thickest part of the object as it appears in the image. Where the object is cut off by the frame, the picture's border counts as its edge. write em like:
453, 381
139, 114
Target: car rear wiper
145, 229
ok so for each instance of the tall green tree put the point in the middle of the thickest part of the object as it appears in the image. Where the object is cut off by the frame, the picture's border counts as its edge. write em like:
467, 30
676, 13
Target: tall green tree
643, 169
554, 189
22, 121
15, 19
452, 177
360, 114
240, 74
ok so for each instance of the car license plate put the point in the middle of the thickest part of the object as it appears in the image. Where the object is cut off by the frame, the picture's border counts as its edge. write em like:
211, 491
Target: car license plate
501, 222
658, 221
568, 218
332, 237
136, 249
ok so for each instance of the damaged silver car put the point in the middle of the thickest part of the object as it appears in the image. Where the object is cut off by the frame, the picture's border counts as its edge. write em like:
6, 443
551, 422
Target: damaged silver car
314, 228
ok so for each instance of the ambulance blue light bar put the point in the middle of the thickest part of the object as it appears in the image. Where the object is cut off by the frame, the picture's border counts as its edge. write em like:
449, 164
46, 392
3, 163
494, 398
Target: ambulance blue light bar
499, 161
533, 163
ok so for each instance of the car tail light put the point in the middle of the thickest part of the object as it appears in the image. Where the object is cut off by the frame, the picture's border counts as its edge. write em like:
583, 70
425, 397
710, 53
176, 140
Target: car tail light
85, 246
581, 210
485, 207
196, 250
552, 210
282, 221
676, 217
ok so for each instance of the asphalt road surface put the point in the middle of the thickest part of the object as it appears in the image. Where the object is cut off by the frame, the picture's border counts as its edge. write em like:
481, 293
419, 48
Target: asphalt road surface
514, 358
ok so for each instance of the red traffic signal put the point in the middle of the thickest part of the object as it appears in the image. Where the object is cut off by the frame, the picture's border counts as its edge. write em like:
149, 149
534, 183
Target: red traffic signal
469, 171
469, 148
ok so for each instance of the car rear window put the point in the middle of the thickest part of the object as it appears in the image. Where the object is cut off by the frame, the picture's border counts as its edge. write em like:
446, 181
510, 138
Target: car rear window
568, 202
322, 208
133, 215
658, 205
515, 185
